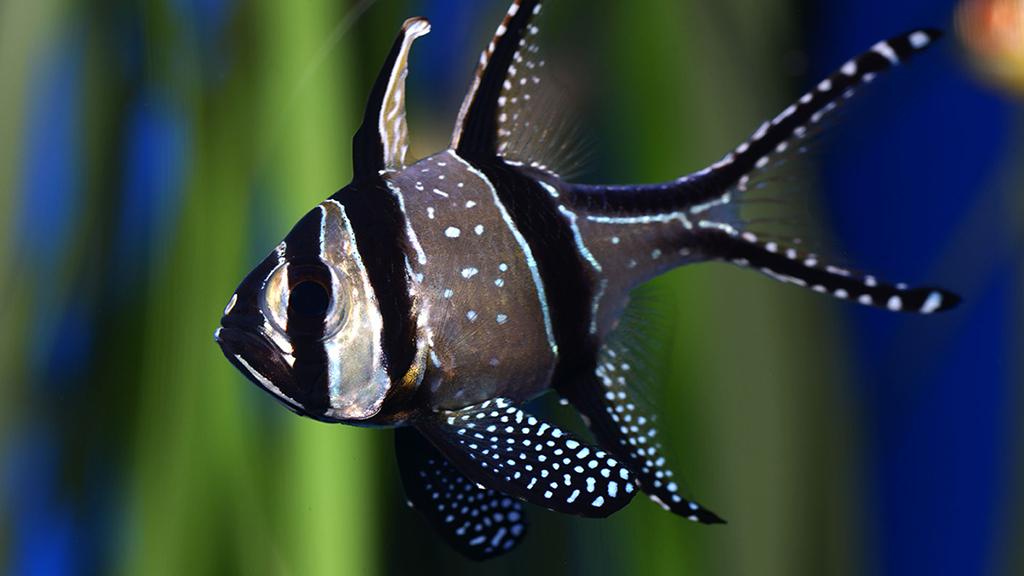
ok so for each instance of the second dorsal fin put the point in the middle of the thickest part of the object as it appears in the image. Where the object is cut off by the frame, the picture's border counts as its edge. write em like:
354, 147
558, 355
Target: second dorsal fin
382, 140
478, 131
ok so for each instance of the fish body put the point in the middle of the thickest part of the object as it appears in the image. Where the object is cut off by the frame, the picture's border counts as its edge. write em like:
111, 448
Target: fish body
438, 297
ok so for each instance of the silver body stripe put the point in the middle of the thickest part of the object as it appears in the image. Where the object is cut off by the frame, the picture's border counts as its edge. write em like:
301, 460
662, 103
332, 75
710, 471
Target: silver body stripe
421, 256
581, 247
527, 252
648, 219
338, 347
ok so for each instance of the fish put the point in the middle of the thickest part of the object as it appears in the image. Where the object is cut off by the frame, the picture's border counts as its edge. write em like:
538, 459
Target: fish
438, 297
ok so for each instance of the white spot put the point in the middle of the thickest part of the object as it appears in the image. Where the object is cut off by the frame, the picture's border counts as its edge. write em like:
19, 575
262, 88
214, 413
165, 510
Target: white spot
887, 52
448, 293
919, 40
479, 229
895, 304
850, 68
468, 273
501, 318
452, 232
933, 303
471, 315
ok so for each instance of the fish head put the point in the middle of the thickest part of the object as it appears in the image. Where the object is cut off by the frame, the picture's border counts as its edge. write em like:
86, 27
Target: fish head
305, 325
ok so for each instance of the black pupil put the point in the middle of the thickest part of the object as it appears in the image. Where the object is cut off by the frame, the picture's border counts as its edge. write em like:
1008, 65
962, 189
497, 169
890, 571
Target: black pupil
309, 299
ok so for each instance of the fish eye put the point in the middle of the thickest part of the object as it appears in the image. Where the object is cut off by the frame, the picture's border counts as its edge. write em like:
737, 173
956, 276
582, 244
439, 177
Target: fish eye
304, 300
309, 298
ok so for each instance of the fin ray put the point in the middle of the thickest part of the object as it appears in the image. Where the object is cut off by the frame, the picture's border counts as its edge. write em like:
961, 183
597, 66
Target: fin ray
479, 130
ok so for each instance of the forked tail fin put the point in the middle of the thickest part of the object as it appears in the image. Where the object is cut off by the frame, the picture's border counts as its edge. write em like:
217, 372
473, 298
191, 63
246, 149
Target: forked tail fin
647, 229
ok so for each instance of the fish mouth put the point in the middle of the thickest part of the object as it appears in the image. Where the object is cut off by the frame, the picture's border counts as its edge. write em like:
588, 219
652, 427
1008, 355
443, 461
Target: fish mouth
259, 359
263, 363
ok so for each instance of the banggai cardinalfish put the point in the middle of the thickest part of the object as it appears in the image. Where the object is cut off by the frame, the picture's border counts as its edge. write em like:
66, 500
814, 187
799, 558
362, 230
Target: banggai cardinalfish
440, 296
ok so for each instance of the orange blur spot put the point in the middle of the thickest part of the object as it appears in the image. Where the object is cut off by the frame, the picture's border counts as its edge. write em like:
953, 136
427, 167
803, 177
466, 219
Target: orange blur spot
992, 32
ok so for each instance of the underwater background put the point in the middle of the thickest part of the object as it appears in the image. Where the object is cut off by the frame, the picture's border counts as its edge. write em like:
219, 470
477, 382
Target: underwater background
152, 152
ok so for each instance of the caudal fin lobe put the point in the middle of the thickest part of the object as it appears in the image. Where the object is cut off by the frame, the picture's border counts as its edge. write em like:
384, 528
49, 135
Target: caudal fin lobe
792, 266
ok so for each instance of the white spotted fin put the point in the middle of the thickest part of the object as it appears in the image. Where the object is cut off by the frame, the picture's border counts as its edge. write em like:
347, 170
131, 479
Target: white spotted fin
513, 109
792, 266
615, 414
498, 445
478, 522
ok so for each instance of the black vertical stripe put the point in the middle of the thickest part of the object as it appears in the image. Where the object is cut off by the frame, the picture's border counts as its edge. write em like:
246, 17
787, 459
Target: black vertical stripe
378, 223
304, 331
563, 272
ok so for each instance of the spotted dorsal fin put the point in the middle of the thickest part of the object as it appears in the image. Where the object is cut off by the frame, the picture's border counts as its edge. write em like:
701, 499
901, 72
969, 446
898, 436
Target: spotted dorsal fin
479, 131
382, 140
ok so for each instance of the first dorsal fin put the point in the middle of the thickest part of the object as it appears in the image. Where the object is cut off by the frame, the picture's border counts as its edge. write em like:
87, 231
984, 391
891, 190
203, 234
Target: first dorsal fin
477, 129
382, 140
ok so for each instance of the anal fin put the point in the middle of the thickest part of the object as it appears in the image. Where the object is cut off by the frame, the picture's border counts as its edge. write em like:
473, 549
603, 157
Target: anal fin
620, 425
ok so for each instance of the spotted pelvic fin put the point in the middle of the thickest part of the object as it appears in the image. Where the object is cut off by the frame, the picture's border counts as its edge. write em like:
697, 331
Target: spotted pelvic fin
498, 446
620, 424
787, 264
505, 71
382, 141
480, 523
720, 184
